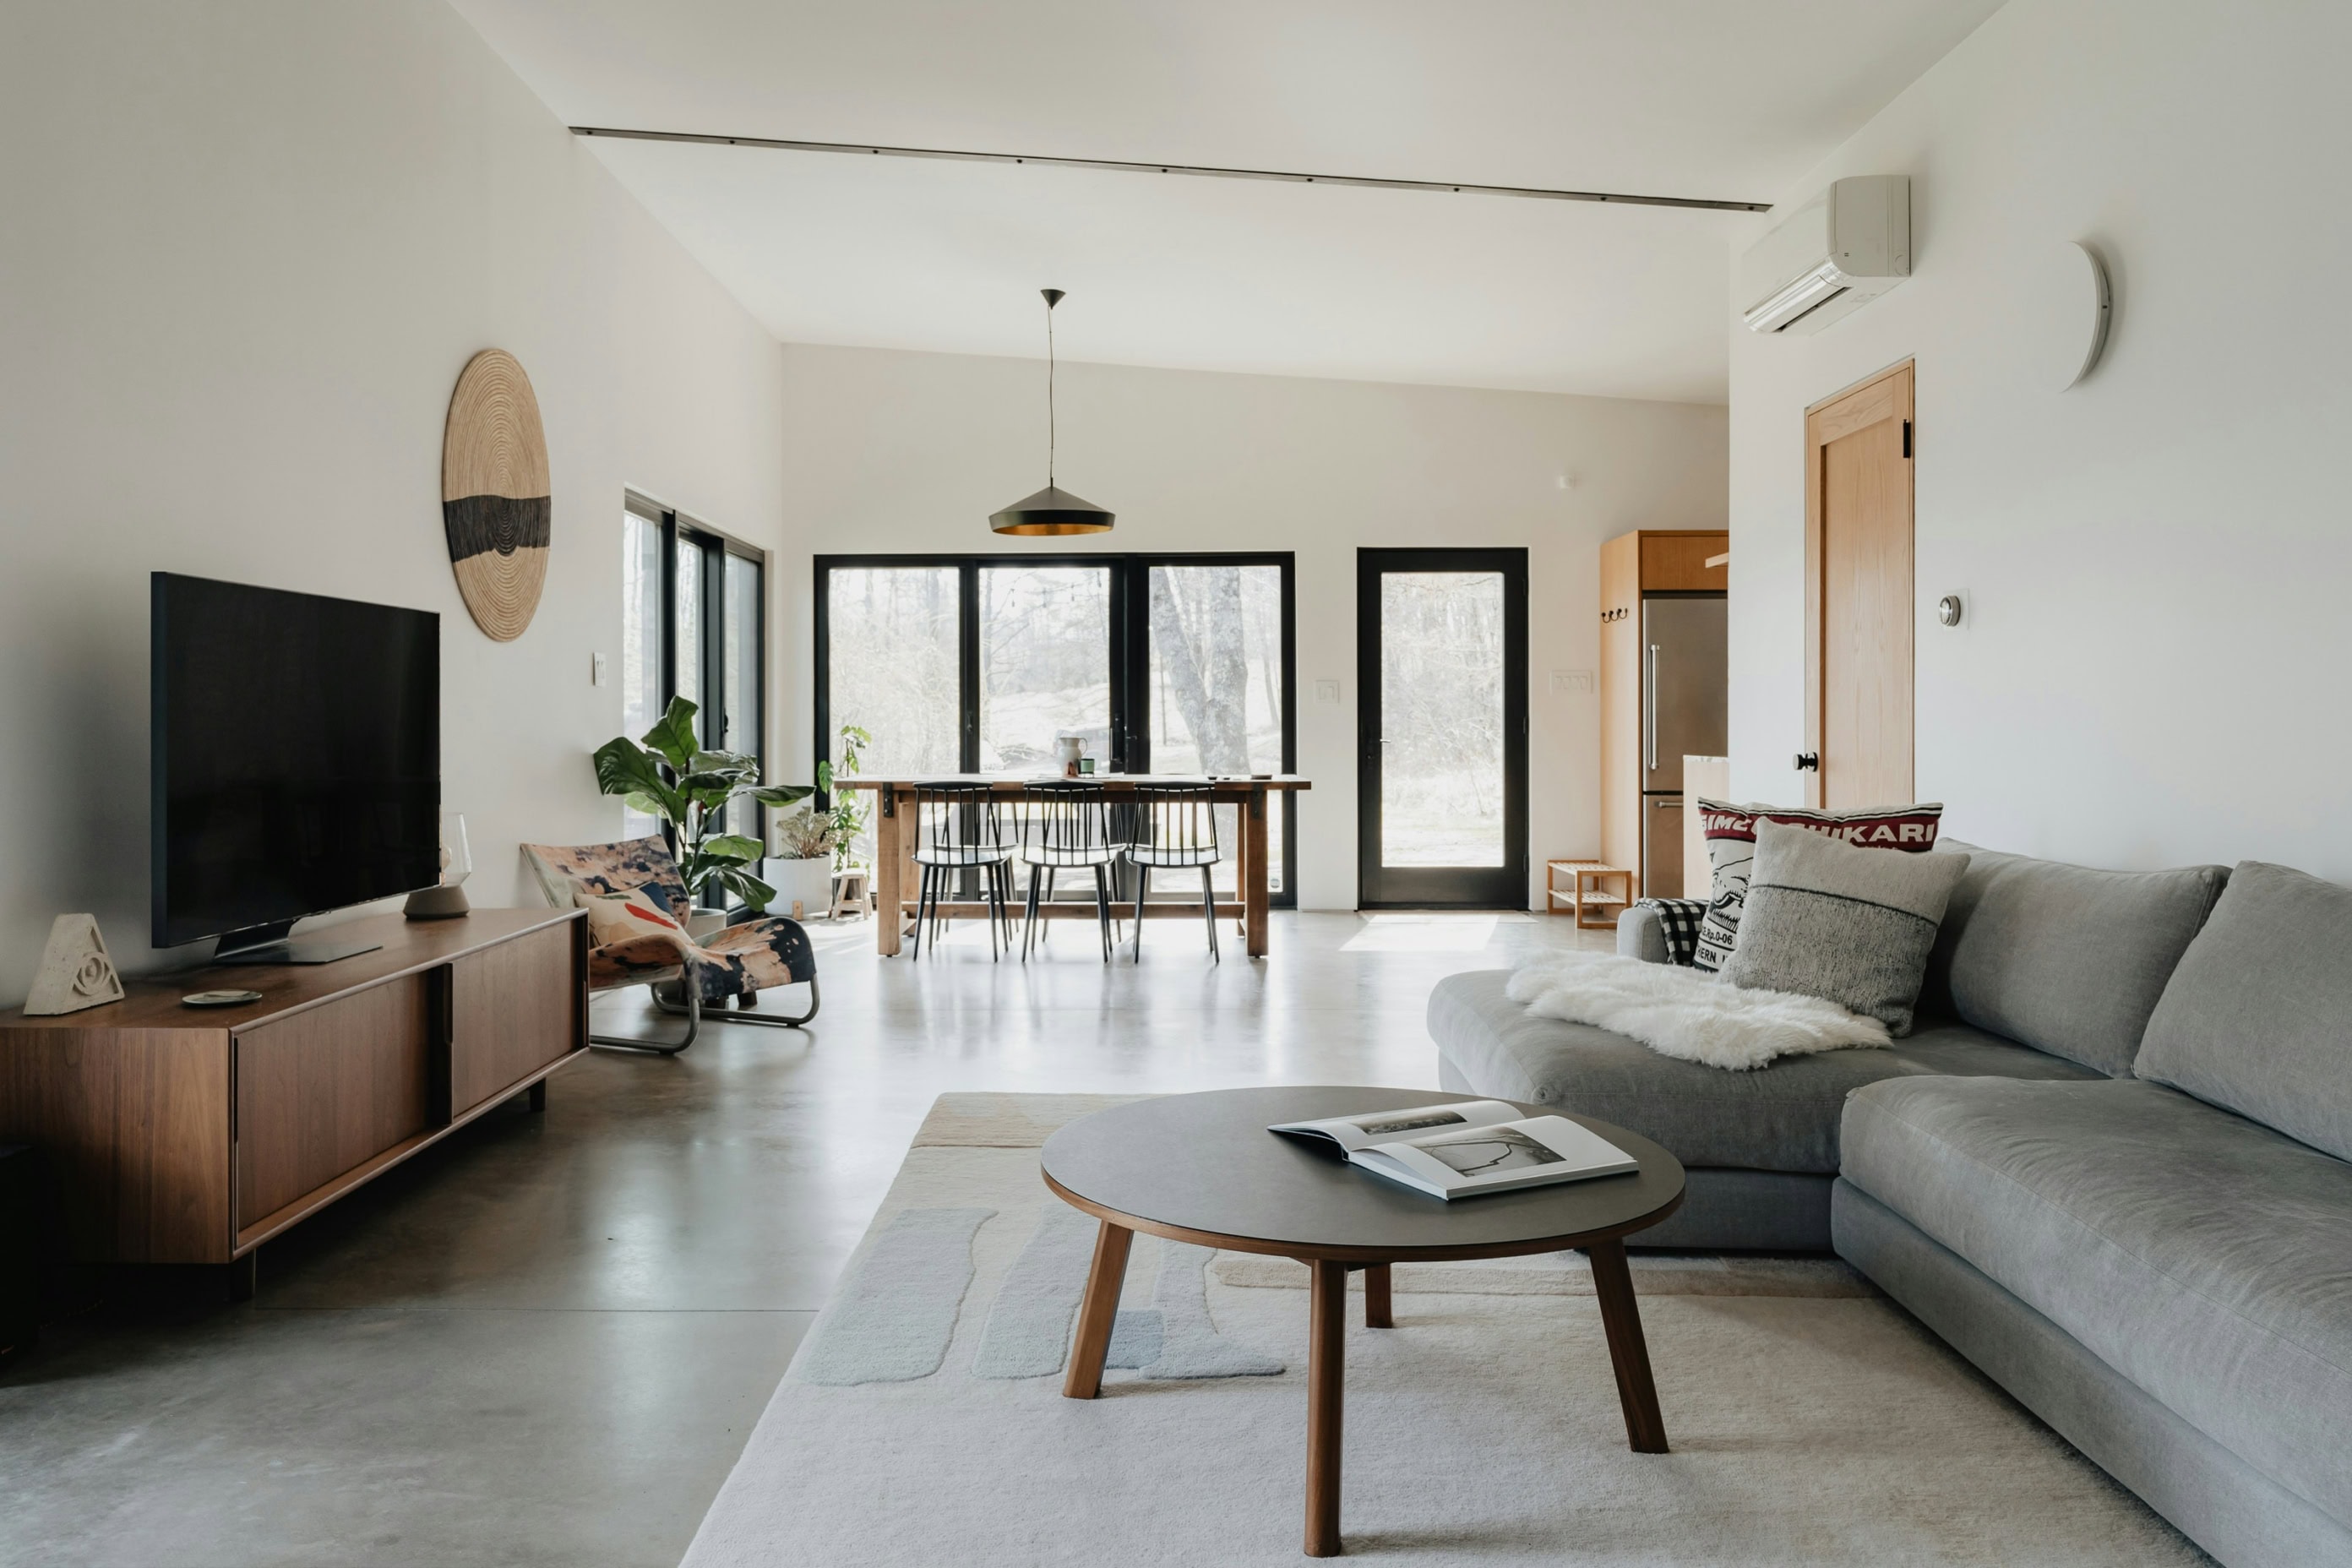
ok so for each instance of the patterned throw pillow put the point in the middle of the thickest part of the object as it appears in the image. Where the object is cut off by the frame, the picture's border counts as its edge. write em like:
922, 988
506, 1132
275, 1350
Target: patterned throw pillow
1826, 920
614, 918
1731, 848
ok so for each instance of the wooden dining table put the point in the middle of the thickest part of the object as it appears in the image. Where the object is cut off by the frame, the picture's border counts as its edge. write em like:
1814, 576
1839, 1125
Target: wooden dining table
895, 881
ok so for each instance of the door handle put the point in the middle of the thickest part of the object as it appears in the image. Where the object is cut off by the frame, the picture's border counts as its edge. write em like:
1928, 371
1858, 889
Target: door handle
1650, 710
1807, 762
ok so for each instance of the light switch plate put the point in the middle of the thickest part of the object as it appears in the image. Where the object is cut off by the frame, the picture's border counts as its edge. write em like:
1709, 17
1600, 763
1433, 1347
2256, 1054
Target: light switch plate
1326, 691
1571, 682
596, 670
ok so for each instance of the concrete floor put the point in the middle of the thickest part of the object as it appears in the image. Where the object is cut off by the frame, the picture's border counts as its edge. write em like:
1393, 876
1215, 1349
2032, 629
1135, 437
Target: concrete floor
545, 1340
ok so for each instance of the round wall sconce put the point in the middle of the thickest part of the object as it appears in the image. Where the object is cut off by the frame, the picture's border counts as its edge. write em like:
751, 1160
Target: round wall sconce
2066, 308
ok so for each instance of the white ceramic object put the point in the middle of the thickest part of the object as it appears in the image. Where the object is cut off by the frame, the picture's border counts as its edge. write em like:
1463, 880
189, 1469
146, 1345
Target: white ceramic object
75, 972
702, 925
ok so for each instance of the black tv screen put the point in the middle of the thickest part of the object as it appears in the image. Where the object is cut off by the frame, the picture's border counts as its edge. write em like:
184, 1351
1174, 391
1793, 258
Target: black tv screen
296, 755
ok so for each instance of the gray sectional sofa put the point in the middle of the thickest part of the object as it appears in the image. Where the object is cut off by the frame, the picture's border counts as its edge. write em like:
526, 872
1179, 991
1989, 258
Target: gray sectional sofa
2110, 1167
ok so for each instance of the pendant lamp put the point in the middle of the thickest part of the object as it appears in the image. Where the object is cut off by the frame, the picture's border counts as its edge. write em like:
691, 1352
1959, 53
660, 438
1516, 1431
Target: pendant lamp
1051, 510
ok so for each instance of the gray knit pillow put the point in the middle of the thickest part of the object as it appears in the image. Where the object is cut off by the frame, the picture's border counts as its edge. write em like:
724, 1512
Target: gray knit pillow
1851, 926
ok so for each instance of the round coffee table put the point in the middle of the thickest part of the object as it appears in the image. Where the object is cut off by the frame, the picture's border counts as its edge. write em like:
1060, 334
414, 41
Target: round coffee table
1201, 1168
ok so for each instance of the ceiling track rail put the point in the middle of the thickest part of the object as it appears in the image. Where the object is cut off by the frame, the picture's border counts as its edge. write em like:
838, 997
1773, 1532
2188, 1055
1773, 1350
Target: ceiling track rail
862, 149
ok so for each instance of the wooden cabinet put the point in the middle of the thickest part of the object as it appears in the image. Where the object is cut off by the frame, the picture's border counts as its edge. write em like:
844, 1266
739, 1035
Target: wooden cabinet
1649, 560
181, 1135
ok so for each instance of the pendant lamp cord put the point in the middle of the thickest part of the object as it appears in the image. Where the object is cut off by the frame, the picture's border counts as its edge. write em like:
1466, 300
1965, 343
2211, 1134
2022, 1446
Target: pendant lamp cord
1049, 396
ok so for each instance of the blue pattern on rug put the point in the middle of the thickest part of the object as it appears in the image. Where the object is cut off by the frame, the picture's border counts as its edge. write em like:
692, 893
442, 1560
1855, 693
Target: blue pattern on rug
1029, 1325
892, 1321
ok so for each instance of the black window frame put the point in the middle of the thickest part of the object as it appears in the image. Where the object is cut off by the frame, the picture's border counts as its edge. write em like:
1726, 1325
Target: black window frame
712, 547
1129, 654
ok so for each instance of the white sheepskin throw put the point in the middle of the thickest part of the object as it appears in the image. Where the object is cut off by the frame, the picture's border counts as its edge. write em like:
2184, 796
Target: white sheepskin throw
1685, 1013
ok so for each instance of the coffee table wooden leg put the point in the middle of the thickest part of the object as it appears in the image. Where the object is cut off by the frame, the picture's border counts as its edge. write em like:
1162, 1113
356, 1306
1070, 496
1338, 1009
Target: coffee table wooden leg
1376, 1296
1645, 1428
1326, 1365
1098, 1311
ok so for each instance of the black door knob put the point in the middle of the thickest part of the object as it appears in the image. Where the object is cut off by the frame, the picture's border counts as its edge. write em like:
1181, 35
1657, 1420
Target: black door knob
1807, 763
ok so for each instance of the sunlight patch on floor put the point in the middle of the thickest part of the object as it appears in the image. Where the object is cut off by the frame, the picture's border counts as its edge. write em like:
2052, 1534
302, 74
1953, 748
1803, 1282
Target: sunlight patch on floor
1421, 933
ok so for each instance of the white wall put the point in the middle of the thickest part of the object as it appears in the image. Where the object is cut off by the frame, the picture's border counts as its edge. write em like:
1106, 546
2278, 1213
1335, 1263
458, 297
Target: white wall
2155, 562
247, 247
894, 451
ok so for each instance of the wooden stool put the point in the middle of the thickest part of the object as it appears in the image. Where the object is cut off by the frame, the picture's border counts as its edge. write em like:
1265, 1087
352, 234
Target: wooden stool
852, 891
1590, 891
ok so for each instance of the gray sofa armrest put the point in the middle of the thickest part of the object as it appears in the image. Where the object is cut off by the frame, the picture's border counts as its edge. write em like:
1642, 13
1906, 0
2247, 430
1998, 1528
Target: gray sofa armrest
1642, 934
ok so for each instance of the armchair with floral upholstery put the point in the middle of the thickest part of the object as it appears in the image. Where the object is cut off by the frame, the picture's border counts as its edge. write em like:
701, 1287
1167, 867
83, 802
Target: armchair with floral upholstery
646, 943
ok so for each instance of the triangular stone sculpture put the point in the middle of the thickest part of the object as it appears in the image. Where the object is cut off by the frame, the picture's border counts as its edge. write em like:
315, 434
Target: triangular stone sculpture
75, 971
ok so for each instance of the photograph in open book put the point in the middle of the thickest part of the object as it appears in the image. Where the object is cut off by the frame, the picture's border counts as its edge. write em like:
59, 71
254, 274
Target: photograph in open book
1489, 1148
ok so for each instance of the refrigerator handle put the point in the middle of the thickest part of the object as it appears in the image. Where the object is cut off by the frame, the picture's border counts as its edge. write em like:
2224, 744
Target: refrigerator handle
1650, 710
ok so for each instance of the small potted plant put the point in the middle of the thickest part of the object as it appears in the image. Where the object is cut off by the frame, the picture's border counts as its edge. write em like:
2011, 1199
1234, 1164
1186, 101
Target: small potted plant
668, 774
803, 843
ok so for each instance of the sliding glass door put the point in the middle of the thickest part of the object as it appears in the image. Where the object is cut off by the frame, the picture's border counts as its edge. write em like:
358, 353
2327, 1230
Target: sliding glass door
1170, 664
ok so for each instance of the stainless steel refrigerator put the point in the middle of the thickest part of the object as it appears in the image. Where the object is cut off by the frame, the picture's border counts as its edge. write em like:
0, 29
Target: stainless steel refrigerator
1684, 674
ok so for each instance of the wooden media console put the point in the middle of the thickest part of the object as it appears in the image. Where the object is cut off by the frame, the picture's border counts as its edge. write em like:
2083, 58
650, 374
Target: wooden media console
186, 1135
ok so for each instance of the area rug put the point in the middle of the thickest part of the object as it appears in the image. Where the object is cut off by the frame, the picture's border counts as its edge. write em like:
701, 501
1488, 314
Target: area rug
1812, 1421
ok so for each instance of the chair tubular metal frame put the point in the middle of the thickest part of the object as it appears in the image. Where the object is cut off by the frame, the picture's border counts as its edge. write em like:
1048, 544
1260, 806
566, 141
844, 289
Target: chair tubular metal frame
1065, 826
1176, 827
959, 827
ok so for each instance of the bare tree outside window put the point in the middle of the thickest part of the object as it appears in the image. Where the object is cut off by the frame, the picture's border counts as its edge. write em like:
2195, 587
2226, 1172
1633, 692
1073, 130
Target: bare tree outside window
893, 667
1216, 685
1442, 766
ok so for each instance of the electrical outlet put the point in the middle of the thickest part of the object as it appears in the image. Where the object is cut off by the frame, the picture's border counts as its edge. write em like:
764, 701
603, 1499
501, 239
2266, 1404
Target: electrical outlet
1572, 683
597, 669
1326, 691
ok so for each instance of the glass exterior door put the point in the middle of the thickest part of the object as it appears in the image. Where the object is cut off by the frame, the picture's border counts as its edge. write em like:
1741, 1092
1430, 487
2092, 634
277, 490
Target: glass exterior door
1441, 668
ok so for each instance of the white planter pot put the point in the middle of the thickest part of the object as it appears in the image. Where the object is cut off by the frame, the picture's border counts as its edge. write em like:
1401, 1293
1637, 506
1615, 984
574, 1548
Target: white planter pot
702, 925
808, 883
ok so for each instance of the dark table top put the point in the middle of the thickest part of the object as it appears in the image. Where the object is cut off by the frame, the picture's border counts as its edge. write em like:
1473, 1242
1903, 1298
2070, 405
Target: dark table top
1203, 1167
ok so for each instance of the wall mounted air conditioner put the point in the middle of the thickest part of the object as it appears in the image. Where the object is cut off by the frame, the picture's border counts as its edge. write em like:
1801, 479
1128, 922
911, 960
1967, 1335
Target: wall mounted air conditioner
1841, 249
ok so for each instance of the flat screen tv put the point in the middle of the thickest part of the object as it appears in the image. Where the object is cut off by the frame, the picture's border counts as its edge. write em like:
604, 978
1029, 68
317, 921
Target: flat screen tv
297, 761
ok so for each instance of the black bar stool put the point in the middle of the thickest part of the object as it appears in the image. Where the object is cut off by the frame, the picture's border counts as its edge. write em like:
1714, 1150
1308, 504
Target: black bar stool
958, 829
1065, 826
1175, 828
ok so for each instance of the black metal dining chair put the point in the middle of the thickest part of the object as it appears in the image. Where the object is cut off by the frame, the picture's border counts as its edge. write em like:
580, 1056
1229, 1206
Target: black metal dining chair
1065, 825
1175, 828
959, 828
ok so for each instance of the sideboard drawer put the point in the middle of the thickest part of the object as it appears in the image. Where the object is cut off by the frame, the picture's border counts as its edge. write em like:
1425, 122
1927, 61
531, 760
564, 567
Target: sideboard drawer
330, 1089
514, 1008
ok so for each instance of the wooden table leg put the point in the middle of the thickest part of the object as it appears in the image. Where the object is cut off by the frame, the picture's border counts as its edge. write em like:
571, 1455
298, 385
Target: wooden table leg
1326, 1365
889, 890
1376, 1296
1645, 1428
1097, 1311
1254, 896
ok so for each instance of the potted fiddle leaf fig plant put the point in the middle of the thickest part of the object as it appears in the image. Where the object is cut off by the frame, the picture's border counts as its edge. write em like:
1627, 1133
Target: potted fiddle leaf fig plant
668, 774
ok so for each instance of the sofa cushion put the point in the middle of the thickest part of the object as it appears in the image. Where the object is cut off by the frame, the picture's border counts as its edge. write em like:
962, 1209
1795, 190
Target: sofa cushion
1783, 1117
2205, 1257
1730, 834
2064, 958
1851, 926
2258, 1016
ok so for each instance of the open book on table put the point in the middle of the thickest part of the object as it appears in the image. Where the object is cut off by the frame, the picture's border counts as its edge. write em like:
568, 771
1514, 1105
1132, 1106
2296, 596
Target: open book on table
1470, 1146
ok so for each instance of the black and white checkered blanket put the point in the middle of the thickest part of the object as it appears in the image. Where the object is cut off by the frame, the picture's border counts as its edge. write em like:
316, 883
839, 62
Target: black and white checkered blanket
1679, 918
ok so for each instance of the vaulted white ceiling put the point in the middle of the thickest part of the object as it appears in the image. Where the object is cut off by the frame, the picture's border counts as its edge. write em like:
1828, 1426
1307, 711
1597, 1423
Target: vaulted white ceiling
1728, 100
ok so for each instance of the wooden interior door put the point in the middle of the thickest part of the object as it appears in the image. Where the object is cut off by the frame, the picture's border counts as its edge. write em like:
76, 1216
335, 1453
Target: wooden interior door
1860, 617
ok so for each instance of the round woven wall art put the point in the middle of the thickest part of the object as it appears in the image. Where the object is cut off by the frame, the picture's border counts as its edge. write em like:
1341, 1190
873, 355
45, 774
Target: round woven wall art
494, 493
